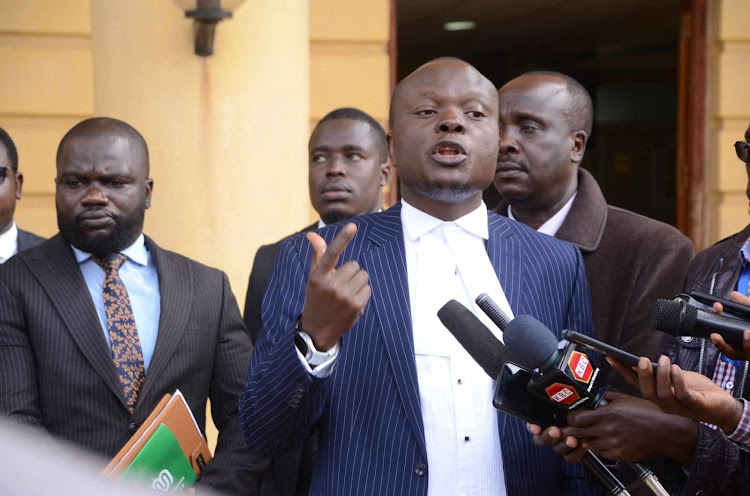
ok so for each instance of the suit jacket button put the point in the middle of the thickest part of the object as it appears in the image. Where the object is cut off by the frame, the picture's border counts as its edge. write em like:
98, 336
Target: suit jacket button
420, 469
132, 428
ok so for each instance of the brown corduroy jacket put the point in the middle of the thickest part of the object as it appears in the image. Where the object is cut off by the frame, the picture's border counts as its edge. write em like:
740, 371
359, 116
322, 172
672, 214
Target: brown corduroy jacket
631, 261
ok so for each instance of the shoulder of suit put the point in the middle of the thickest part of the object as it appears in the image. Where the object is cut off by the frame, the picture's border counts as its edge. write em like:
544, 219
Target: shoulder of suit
31, 237
720, 248
530, 235
640, 227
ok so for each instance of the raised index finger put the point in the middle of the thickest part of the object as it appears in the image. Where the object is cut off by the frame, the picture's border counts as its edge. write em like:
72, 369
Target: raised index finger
334, 250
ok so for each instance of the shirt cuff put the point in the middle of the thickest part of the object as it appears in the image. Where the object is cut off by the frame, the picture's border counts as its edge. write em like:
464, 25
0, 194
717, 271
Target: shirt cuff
741, 434
324, 369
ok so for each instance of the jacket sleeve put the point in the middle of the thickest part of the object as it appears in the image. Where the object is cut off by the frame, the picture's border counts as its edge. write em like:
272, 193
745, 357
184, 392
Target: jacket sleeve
19, 393
256, 289
716, 467
662, 277
281, 401
234, 469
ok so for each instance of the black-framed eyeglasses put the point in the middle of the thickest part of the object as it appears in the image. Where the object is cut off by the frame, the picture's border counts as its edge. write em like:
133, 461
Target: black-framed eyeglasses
4, 171
743, 151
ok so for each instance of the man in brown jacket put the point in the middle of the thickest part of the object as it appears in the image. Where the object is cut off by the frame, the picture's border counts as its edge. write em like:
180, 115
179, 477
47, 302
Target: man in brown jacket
631, 260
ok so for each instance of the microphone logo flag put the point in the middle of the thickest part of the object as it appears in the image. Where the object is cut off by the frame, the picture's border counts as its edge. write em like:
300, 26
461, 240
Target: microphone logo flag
580, 366
561, 393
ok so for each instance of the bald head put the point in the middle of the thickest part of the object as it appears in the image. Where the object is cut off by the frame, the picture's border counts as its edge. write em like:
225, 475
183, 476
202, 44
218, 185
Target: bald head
428, 71
107, 127
577, 105
443, 137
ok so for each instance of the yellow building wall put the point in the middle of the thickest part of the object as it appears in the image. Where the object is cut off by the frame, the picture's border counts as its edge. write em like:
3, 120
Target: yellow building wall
227, 134
46, 87
729, 114
349, 59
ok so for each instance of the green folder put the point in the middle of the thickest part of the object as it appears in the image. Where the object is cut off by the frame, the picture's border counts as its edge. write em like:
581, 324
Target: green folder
161, 463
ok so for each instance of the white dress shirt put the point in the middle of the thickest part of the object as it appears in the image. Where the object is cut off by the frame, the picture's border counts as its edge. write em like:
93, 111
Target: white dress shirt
448, 260
554, 223
9, 243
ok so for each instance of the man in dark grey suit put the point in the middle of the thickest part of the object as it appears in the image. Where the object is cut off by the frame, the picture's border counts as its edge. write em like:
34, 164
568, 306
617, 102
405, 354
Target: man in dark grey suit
99, 323
348, 167
12, 239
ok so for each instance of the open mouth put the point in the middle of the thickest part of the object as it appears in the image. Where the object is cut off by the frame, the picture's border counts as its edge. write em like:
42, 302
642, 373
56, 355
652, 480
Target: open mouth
449, 152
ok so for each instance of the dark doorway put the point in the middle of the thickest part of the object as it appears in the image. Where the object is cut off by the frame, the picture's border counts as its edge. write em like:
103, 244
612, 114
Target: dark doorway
624, 52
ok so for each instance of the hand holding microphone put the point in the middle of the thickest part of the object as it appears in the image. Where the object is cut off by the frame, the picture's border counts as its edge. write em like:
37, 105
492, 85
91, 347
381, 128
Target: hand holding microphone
684, 393
743, 353
726, 327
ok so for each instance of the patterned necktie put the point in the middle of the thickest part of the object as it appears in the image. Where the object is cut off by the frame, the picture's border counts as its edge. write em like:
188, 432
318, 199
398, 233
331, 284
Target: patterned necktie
123, 335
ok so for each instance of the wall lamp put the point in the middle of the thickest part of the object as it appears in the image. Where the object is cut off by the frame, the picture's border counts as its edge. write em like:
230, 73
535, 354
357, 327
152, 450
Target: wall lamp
207, 14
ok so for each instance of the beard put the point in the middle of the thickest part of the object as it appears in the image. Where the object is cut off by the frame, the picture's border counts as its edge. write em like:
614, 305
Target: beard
334, 217
450, 193
123, 234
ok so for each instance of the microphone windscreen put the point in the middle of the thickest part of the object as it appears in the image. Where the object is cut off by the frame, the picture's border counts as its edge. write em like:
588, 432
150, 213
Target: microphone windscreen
668, 317
474, 336
530, 343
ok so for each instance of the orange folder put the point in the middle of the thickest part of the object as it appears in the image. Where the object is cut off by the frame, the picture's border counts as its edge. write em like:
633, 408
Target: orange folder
174, 412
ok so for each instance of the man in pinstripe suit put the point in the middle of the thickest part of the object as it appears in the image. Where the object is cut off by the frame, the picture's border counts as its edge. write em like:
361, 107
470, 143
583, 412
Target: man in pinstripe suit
98, 323
352, 344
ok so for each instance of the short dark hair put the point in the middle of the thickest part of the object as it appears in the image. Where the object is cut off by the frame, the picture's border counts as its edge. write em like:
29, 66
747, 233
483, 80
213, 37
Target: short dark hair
104, 126
358, 115
582, 108
10, 149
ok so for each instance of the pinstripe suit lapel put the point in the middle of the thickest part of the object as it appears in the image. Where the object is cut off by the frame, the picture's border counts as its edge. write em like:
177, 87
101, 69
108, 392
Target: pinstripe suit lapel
176, 289
386, 265
57, 271
508, 259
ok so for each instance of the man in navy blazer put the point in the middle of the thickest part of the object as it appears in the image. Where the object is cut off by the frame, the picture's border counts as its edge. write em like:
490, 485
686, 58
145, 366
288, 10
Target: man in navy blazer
353, 348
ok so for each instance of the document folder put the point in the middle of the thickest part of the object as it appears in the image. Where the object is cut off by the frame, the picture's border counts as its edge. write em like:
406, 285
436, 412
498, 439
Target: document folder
174, 412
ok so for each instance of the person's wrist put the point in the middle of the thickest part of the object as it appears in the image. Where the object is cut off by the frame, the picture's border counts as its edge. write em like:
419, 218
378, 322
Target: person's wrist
321, 343
733, 417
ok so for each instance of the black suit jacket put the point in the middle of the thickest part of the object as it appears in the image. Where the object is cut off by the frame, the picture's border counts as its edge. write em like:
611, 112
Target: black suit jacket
259, 277
56, 371
288, 474
28, 240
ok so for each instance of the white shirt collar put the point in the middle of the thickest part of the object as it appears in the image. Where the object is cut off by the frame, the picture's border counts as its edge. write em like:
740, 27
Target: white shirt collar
137, 252
9, 243
554, 223
416, 223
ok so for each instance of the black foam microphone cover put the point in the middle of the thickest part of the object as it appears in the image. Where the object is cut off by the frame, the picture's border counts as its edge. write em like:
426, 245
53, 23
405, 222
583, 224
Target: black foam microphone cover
529, 342
668, 317
474, 336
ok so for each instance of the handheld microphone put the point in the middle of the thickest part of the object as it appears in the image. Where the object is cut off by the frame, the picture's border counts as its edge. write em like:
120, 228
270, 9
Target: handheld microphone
534, 346
474, 336
565, 377
491, 355
678, 318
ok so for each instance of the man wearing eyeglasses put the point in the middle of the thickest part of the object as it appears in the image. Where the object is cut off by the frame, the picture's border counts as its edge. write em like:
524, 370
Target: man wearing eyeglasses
12, 239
